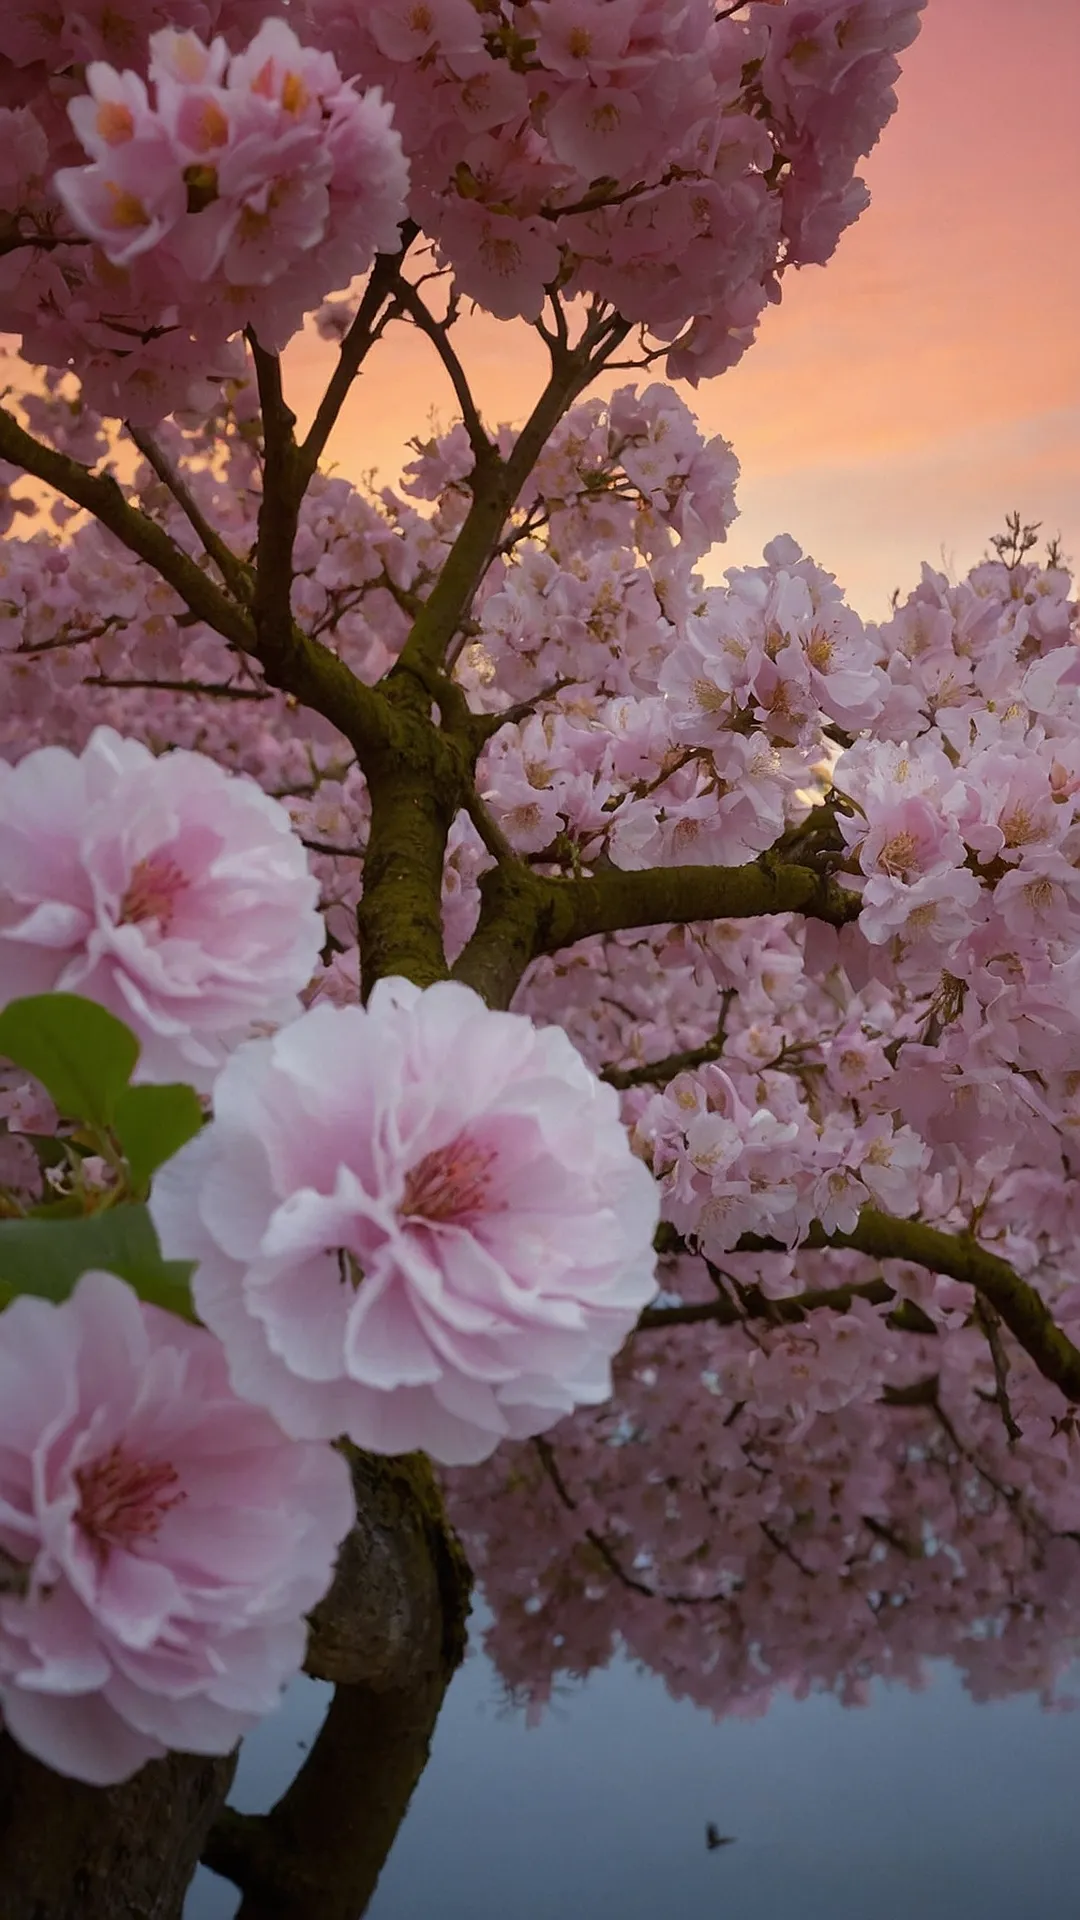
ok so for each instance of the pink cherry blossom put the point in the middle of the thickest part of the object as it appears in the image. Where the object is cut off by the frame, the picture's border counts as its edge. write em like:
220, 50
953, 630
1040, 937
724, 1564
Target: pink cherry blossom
238, 189
419, 1224
168, 890
653, 153
161, 1540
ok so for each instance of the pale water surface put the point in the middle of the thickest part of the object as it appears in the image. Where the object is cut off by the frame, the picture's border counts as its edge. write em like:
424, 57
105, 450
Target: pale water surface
921, 1806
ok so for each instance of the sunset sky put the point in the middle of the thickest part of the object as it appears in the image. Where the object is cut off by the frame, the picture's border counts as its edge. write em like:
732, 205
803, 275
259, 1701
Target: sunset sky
904, 398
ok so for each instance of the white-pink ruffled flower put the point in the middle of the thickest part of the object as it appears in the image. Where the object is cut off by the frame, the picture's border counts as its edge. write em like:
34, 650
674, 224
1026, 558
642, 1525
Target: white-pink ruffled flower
160, 1540
172, 892
419, 1223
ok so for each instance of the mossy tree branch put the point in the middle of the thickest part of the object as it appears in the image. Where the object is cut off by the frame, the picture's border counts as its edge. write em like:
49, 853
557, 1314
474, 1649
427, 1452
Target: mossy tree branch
885, 1236
524, 915
1017, 1303
417, 779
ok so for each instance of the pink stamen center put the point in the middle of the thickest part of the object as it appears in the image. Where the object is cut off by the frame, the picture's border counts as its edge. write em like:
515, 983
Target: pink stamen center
449, 1184
152, 891
123, 1501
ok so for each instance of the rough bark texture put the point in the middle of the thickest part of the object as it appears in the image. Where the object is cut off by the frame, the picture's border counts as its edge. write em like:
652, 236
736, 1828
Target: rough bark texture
70, 1852
390, 1633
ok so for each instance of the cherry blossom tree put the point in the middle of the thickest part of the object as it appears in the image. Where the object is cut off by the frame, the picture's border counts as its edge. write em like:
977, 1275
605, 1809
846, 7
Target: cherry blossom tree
799, 890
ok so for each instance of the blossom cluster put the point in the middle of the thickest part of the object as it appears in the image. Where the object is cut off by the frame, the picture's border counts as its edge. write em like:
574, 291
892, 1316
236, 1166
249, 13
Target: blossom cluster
170, 182
665, 158
696, 1528
222, 191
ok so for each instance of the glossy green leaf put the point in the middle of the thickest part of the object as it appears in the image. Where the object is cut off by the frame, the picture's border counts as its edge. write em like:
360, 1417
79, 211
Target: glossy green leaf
82, 1055
152, 1123
47, 1256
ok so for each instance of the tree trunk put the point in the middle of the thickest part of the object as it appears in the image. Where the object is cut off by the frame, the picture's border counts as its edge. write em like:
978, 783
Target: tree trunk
390, 1633
72, 1852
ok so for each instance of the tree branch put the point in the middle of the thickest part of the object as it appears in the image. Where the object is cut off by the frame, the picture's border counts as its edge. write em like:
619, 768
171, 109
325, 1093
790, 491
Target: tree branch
101, 495
788, 1309
659, 1072
438, 332
279, 511
988, 1320
303, 667
235, 573
524, 914
221, 690
495, 487
353, 351
1015, 1301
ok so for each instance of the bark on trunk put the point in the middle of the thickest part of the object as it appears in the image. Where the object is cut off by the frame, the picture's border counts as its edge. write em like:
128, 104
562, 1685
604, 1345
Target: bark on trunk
390, 1633
71, 1852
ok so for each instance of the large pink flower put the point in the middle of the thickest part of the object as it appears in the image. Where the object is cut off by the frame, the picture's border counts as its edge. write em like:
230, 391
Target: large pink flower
420, 1224
174, 893
160, 1540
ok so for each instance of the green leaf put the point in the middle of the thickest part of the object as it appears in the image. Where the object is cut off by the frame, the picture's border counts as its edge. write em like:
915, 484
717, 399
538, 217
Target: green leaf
152, 1123
82, 1055
46, 1257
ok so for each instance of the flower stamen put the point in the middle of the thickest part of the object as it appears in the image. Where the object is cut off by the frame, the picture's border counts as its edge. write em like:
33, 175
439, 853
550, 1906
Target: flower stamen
448, 1184
124, 1501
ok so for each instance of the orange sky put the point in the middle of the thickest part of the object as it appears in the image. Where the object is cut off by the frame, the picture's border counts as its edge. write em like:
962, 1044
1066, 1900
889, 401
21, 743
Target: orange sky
904, 398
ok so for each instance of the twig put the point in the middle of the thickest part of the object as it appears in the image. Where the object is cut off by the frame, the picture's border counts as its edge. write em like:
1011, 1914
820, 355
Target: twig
659, 1072
219, 691
606, 1553
336, 853
438, 332
987, 1318
353, 351
236, 575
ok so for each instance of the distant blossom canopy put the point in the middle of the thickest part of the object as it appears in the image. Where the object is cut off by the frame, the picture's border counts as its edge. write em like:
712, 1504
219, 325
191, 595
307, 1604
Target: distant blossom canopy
172, 892
419, 1224
161, 1541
